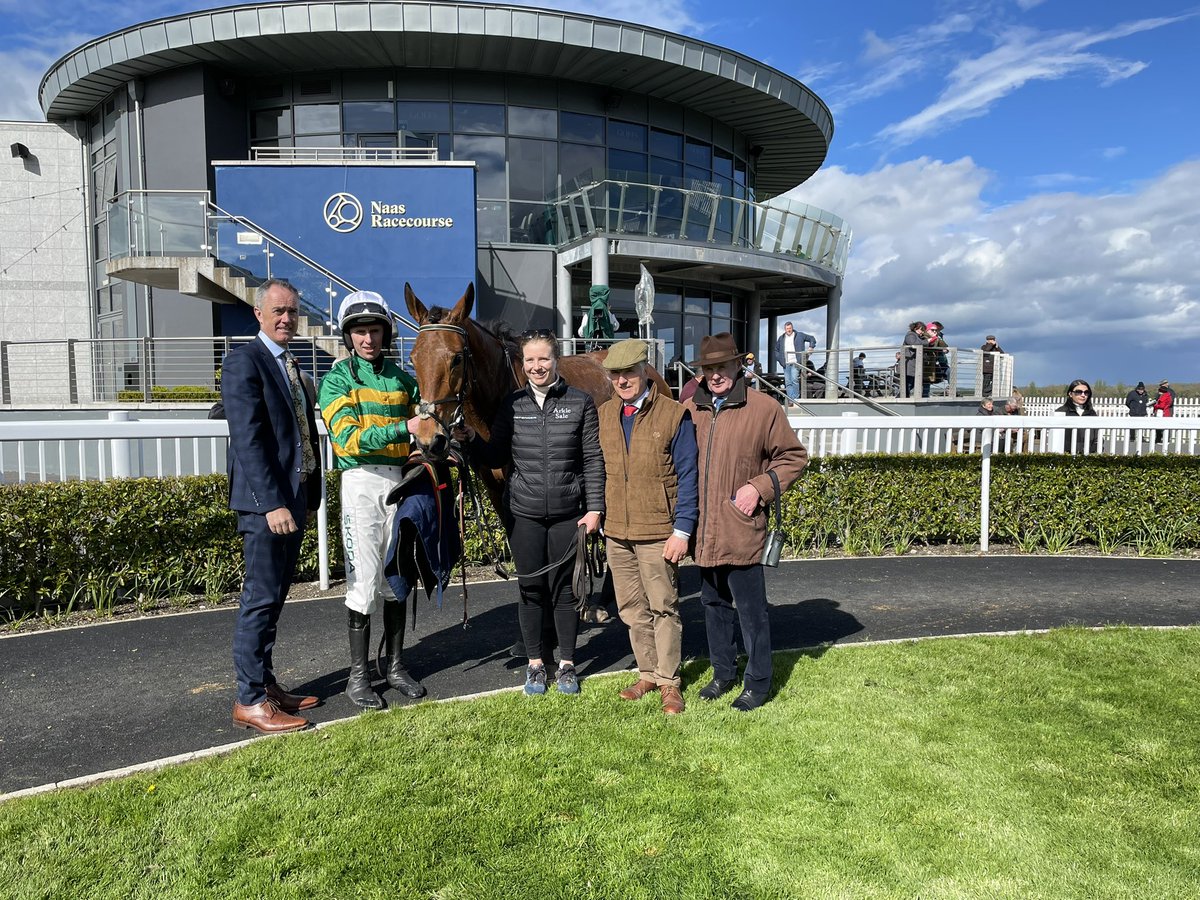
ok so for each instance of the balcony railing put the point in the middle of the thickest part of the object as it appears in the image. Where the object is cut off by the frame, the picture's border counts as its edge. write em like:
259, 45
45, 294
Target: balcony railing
700, 213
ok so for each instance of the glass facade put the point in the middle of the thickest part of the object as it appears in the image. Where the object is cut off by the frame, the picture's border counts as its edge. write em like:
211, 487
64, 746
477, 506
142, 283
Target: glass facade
527, 152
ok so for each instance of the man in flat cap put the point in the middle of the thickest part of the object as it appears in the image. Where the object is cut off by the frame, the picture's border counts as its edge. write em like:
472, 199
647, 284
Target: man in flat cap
651, 505
743, 437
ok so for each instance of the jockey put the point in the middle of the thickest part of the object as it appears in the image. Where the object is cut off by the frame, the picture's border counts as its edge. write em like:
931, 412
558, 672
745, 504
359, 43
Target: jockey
369, 405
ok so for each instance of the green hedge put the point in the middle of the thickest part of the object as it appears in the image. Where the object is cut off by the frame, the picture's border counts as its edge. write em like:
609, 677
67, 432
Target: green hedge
96, 543
180, 393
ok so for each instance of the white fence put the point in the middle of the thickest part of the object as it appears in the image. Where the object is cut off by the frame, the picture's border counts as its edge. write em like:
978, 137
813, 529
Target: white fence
1121, 436
121, 447
1109, 406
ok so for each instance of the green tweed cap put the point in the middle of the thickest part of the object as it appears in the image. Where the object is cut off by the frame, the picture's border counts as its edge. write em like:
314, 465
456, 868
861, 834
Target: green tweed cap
625, 355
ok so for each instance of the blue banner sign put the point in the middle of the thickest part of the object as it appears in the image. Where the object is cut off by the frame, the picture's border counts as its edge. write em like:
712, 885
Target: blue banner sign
374, 226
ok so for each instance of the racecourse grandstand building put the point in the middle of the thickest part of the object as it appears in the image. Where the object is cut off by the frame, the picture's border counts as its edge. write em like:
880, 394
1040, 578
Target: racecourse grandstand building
536, 153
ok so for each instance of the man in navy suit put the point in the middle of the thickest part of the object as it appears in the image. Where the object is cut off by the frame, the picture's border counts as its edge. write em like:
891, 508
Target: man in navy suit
274, 486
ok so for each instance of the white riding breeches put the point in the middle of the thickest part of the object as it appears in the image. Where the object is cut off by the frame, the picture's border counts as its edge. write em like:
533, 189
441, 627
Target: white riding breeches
366, 529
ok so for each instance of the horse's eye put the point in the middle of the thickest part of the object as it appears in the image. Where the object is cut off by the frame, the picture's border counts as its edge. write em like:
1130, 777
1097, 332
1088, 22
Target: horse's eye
457, 360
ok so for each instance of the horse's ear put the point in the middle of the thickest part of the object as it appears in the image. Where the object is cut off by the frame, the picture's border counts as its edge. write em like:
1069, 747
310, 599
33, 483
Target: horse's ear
416, 308
462, 309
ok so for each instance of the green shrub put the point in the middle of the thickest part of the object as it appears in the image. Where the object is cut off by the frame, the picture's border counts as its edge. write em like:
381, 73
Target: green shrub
77, 542
93, 543
177, 393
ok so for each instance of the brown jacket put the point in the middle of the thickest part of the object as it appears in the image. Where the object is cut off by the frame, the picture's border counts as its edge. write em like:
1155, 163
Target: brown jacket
739, 444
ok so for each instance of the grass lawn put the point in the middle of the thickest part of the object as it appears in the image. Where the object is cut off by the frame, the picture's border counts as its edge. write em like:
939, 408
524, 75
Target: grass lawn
1059, 765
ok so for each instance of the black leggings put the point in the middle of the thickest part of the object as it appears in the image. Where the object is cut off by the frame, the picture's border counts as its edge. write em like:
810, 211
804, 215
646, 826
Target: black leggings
536, 543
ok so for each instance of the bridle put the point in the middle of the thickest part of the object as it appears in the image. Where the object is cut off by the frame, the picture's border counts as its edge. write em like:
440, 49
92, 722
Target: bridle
427, 409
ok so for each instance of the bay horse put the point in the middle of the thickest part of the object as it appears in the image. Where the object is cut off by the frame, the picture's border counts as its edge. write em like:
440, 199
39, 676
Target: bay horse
465, 370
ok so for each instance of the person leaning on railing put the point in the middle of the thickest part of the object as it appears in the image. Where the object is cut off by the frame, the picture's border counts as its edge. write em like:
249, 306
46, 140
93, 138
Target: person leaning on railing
1079, 403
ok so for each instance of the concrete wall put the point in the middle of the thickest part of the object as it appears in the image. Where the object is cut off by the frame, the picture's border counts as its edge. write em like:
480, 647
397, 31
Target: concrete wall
43, 238
176, 159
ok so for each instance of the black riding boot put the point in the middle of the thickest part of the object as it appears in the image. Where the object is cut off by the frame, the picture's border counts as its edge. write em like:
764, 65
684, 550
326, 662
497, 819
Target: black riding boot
393, 634
358, 685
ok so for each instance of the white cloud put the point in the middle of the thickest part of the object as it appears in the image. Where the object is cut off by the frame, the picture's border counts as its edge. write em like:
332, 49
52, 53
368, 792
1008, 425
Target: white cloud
1074, 285
1113, 152
1020, 56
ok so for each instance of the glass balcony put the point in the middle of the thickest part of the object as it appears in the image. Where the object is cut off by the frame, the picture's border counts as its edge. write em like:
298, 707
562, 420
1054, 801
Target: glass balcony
701, 212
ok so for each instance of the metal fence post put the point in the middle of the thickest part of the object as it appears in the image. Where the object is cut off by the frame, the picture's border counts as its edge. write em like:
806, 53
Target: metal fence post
72, 376
146, 376
5, 381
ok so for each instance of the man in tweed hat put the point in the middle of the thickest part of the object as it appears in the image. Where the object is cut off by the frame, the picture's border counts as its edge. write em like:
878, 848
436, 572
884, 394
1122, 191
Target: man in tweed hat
742, 437
650, 502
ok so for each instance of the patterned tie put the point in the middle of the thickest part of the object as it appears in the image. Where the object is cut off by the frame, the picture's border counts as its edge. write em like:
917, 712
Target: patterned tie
299, 402
629, 409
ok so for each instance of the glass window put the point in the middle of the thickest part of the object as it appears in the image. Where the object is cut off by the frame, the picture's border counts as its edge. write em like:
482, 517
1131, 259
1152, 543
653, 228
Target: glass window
739, 172
319, 140
532, 122
532, 169
722, 164
491, 220
579, 127
626, 136
530, 223
667, 299
623, 164
698, 154
722, 308
480, 118
367, 85
580, 165
317, 117
666, 171
696, 303
423, 116
488, 154
694, 329
379, 115
664, 143
272, 123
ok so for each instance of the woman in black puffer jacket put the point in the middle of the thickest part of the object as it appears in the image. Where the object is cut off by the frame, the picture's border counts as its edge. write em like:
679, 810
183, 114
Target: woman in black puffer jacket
1079, 403
549, 434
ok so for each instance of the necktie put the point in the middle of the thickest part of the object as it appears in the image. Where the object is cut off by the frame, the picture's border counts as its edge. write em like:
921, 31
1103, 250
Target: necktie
308, 460
628, 409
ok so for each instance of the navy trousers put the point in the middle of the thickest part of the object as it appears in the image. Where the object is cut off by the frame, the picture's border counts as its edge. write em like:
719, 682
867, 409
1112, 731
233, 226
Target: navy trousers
270, 563
721, 590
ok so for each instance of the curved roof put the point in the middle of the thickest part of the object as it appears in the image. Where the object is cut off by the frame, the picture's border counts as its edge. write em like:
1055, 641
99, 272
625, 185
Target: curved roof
778, 113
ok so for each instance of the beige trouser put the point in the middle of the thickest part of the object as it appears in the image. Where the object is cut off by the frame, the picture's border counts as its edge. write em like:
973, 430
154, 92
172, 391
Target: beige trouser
647, 592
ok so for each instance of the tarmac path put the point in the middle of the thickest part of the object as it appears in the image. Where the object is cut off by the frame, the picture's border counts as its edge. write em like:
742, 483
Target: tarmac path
85, 700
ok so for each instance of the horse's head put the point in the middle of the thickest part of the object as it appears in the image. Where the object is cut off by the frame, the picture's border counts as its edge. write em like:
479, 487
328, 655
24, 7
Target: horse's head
441, 358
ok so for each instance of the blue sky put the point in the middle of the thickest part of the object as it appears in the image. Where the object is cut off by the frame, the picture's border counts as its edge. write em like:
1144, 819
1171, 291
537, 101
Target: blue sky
1026, 168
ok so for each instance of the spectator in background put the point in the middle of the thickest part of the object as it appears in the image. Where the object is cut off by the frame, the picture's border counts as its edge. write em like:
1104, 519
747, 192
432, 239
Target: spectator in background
858, 373
753, 370
985, 408
914, 339
937, 366
791, 349
989, 350
1137, 400
1164, 405
1079, 403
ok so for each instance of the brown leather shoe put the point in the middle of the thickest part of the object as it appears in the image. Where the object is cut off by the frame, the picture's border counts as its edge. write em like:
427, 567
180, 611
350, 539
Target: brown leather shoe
290, 703
266, 718
639, 690
672, 700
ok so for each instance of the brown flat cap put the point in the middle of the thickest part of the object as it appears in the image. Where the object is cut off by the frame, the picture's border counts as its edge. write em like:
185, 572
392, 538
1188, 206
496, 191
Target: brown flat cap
625, 354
